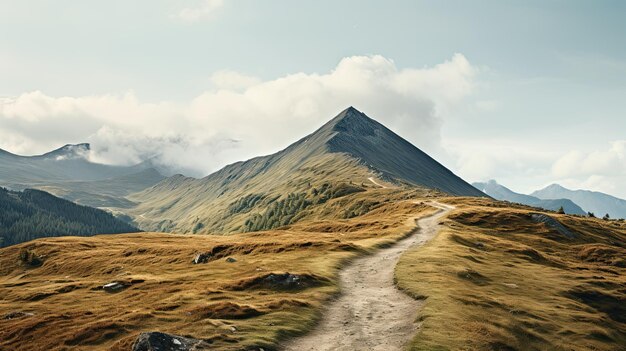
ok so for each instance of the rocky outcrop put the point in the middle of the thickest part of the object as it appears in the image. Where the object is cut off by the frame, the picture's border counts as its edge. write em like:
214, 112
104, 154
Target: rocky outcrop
552, 224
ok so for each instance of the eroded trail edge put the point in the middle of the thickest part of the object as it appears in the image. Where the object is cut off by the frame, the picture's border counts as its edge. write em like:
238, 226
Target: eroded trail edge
371, 313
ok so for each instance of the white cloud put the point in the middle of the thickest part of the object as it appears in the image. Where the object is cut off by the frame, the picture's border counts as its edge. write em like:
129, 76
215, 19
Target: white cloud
203, 10
526, 166
241, 116
599, 162
499, 158
600, 170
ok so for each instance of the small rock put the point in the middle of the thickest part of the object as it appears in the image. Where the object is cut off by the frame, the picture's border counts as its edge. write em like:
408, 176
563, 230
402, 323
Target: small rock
113, 287
231, 259
157, 341
201, 258
233, 328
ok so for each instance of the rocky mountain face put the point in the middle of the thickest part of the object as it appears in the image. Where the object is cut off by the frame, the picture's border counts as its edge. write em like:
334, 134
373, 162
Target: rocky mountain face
278, 189
385, 152
500, 192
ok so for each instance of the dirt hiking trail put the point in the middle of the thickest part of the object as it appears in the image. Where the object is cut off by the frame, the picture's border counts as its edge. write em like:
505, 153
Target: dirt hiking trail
371, 313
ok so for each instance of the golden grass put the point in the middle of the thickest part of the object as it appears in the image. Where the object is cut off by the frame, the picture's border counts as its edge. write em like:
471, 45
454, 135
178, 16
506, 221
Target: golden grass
494, 279
229, 304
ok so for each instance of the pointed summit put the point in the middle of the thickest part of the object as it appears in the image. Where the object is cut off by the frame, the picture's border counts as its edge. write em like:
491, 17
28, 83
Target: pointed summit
355, 122
383, 151
350, 120
361, 138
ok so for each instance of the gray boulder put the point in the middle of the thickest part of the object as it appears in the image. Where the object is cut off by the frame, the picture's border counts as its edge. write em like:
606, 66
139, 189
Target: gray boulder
157, 341
201, 258
113, 287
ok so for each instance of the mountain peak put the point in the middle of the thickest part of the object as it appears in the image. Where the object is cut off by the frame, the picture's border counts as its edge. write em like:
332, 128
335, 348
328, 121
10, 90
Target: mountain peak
555, 186
351, 118
353, 133
68, 151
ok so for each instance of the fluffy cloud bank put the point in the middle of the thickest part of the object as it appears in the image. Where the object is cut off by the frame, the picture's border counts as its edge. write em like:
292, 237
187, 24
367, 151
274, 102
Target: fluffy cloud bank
603, 170
240, 116
525, 167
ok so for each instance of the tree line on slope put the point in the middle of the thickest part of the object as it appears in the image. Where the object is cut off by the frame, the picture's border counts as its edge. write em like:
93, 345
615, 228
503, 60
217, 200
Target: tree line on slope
33, 214
288, 210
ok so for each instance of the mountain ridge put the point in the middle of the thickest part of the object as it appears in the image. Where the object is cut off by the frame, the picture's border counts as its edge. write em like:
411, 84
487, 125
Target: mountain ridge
65, 150
409, 162
500, 192
343, 152
67, 172
593, 201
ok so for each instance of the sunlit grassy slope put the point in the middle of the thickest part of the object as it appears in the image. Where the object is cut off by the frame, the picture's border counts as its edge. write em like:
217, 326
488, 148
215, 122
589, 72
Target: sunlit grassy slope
61, 304
499, 278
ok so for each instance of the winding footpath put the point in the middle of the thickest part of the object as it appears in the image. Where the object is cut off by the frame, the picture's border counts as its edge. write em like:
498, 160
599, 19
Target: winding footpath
371, 313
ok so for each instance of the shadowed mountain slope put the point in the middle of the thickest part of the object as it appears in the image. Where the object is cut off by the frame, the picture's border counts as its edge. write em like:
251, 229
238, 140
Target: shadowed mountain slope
279, 189
386, 152
593, 201
500, 192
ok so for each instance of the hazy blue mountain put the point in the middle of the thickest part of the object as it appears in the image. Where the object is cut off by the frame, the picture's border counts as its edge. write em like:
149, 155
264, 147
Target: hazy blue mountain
592, 201
33, 214
500, 192
68, 173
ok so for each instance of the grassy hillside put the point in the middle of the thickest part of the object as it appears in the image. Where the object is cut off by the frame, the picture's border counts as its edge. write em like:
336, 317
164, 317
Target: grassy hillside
33, 214
239, 297
235, 198
502, 278
498, 277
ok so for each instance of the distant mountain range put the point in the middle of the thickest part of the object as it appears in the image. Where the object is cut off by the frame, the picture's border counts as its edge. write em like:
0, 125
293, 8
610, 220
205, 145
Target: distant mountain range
592, 201
33, 214
267, 191
555, 196
500, 192
67, 172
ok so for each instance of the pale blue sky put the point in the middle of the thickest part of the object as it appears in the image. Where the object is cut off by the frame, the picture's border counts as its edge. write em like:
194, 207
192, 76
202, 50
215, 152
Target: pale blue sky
549, 80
